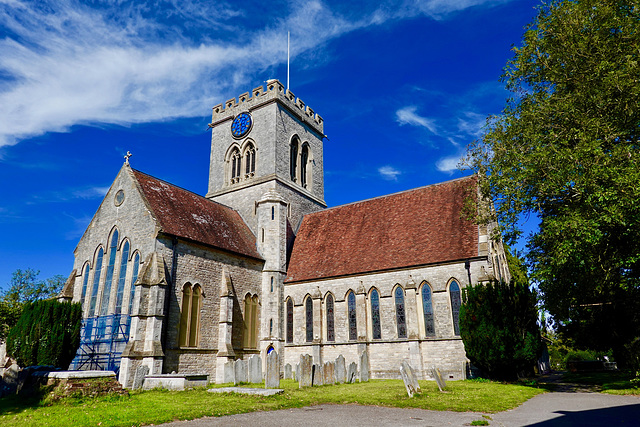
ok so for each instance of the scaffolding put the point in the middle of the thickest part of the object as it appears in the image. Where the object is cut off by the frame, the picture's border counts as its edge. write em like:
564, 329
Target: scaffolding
102, 340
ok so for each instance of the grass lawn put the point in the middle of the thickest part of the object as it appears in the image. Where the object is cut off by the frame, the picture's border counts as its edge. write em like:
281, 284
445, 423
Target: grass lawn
158, 406
611, 382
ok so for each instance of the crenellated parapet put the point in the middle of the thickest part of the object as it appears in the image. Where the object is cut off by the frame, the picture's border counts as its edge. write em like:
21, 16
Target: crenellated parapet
273, 91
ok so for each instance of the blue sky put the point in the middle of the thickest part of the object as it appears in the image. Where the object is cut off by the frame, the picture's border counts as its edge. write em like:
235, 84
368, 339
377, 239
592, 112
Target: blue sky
403, 87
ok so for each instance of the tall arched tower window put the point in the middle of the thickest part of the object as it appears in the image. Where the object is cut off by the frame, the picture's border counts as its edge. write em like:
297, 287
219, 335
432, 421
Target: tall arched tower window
289, 320
249, 161
351, 314
293, 159
375, 315
304, 160
309, 314
427, 311
401, 318
331, 333
235, 162
454, 293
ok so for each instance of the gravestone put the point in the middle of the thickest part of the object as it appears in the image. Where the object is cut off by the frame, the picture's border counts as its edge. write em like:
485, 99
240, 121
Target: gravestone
435, 373
287, 372
306, 370
229, 375
138, 377
240, 371
364, 367
409, 377
255, 369
318, 375
272, 377
296, 373
10, 380
352, 373
341, 370
329, 373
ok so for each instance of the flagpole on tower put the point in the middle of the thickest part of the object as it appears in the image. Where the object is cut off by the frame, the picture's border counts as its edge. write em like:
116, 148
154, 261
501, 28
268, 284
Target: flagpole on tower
288, 43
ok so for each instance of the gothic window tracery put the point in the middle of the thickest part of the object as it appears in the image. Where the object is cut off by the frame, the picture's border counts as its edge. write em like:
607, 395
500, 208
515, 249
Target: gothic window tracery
235, 166
427, 311
331, 334
401, 319
454, 293
289, 320
249, 161
309, 316
351, 308
375, 315
190, 315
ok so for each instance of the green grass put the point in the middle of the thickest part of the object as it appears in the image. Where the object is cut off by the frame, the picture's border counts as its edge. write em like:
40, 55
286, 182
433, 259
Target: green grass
158, 406
611, 382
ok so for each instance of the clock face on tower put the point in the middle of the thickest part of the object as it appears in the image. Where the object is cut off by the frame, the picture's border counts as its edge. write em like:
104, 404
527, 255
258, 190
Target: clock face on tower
241, 125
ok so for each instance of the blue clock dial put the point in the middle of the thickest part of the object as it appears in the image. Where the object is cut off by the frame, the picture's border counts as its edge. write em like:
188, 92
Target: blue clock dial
241, 125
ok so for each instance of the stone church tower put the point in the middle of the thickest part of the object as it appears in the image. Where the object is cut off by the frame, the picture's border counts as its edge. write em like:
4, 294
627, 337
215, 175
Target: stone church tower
267, 164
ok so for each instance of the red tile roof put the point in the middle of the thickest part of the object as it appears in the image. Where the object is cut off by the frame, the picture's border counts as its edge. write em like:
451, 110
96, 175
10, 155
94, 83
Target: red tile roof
185, 214
411, 228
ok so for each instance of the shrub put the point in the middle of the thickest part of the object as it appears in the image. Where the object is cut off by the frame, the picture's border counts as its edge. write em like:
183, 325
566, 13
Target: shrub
499, 328
47, 333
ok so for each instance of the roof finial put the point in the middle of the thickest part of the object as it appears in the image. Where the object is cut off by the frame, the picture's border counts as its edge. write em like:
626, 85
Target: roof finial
126, 157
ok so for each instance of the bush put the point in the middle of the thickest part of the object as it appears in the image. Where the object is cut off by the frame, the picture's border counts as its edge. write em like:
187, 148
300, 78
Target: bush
499, 328
47, 333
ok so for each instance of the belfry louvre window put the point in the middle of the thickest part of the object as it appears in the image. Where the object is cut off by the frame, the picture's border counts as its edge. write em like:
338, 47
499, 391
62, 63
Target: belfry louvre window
304, 159
289, 320
309, 315
454, 293
427, 310
250, 161
250, 321
331, 333
375, 315
351, 308
401, 318
190, 315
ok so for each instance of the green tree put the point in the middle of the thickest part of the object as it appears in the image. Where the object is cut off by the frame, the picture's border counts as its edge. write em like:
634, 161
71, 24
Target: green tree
25, 287
47, 333
565, 149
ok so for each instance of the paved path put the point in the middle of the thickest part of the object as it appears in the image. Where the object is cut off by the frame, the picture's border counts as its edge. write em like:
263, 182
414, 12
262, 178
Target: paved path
544, 410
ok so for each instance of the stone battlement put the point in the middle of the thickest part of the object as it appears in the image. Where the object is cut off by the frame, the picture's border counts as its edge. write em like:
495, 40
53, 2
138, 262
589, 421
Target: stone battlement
259, 96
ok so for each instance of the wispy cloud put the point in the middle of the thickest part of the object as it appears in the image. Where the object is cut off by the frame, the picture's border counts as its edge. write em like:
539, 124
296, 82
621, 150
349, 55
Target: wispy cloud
389, 173
86, 193
66, 62
450, 164
408, 116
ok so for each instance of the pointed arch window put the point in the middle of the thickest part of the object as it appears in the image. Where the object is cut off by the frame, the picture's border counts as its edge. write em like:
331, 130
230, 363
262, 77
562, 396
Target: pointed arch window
190, 315
456, 301
96, 284
375, 315
351, 309
122, 277
304, 159
427, 311
85, 283
289, 320
401, 318
235, 161
331, 333
106, 291
134, 279
250, 161
293, 160
250, 321
309, 316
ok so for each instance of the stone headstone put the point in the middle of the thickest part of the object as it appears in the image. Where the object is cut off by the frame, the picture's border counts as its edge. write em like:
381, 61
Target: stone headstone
10, 380
435, 373
296, 373
255, 369
352, 373
364, 367
341, 370
318, 375
409, 377
272, 377
229, 375
240, 371
329, 373
306, 371
288, 374
138, 378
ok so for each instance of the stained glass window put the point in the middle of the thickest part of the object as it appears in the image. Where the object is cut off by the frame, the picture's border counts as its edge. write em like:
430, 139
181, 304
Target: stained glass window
427, 309
85, 283
106, 292
454, 293
331, 334
122, 277
401, 319
353, 326
375, 315
304, 159
96, 284
309, 312
289, 320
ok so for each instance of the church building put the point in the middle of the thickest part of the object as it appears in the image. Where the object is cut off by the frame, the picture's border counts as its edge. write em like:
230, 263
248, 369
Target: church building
184, 283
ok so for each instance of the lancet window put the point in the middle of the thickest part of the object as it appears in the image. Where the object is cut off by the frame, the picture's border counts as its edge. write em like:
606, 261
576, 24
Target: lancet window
249, 161
331, 332
122, 277
401, 318
106, 291
251, 321
85, 284
289, 320
456, 300
309, 316
235, 166
427, 311
375, 315
304, 159
96, 283
351, 308
190, 315
293, 160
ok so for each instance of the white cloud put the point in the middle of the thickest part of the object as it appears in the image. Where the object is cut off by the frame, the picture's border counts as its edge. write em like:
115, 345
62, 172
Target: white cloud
450, 164
408, 116
90, 193
472, 123
389, 173
66, 62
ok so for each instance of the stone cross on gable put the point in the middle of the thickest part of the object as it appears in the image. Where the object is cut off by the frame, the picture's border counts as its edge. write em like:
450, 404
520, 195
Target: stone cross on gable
126, 157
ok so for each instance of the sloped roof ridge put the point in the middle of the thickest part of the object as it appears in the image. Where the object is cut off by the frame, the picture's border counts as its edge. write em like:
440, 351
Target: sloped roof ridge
384, 196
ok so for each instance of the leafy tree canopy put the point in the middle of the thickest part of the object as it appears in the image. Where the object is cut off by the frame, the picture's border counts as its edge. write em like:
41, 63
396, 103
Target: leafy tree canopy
565, 149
